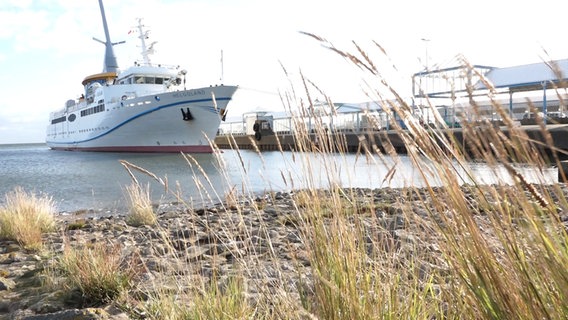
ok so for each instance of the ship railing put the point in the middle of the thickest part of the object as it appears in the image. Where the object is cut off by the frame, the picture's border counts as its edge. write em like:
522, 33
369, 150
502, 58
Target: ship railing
56, 114
347, 122
232, 128
77, 105
159, 65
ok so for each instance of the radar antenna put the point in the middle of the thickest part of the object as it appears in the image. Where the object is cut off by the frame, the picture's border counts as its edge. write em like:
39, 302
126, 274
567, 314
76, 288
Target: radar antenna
146, 50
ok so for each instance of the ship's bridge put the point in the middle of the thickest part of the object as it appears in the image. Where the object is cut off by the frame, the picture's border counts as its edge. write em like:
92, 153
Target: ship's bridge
140, 74
93, 82
102, 78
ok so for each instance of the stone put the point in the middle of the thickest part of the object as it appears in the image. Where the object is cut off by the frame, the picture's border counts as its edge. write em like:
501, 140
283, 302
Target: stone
73, 314
264, 240
12, 247
6, 284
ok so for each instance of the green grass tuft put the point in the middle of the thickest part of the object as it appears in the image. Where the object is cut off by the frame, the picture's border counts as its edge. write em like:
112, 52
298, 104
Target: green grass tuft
99, 272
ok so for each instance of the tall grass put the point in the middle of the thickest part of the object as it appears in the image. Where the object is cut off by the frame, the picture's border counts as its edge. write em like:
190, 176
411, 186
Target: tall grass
101, 273
505, 245
211, 302
25, 217
457, 248
141, 210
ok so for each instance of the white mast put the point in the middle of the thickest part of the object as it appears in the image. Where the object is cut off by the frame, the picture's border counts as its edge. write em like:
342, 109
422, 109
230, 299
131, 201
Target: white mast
143, 35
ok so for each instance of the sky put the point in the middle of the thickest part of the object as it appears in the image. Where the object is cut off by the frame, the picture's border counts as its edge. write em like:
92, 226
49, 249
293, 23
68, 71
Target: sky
46, 46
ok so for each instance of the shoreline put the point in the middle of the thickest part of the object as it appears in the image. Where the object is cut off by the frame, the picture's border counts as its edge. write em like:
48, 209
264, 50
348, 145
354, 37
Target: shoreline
264, 233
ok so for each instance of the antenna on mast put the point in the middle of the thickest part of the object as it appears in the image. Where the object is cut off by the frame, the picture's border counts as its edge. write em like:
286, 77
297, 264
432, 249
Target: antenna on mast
146, 50
110, 64
222, 71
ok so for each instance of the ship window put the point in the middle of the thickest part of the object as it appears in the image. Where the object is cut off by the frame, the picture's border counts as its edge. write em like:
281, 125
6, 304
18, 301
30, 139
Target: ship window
149, 80
92, 110
159, 80
58, 120
139, 80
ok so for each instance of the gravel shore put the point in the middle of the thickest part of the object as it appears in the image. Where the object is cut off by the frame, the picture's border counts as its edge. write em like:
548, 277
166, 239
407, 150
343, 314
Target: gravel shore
259, 236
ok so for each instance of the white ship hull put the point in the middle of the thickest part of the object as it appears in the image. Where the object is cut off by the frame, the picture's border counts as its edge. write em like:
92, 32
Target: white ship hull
145, 108
178, 121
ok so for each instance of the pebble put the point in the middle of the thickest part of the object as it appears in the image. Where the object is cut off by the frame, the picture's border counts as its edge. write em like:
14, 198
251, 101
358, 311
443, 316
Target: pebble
264, 236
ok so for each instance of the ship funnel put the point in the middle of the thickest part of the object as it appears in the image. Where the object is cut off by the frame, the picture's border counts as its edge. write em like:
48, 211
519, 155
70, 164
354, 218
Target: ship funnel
110, 64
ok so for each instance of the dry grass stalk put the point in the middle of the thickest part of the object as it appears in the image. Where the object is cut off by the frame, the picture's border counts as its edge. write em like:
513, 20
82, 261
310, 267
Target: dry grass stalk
129, 166
231, 198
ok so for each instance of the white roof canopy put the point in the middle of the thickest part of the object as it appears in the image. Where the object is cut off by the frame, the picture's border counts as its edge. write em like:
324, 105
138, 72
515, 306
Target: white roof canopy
528, 77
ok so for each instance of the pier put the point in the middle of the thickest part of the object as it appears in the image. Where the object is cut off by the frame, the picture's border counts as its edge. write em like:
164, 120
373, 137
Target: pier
532, 96
354, 141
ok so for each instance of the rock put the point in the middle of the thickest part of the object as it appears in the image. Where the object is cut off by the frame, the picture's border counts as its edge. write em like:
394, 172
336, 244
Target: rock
12, 247
265, 239
73, 314
193, 253
180, 244
6, 284
12, 257
270, 211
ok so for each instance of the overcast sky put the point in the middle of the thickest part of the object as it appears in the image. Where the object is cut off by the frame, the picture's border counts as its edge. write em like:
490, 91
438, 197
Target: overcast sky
46, 46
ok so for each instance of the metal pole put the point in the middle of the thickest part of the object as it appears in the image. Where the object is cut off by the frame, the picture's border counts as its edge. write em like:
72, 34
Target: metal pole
222, 69
511, 104
544, 107
425, 89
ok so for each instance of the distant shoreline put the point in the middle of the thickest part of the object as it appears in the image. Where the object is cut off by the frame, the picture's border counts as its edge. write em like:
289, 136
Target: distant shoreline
23, 144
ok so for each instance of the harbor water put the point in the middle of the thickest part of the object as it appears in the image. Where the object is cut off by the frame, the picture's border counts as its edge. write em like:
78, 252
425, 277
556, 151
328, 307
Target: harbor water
96, 181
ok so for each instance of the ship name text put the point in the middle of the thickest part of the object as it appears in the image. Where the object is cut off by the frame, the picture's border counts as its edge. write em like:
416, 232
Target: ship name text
188, 93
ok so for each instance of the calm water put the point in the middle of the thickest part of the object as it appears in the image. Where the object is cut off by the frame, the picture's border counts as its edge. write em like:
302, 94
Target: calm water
86, 180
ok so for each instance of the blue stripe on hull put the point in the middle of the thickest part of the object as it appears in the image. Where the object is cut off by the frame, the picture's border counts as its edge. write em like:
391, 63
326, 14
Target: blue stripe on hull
141, 115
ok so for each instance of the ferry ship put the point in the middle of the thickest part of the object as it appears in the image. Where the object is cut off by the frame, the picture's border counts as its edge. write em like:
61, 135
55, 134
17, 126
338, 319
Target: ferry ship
145, 108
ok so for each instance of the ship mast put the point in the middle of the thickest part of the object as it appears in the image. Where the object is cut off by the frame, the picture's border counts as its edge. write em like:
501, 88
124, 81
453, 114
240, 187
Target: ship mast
143, 35
110, 64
